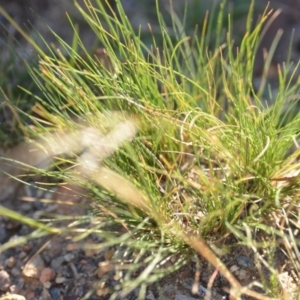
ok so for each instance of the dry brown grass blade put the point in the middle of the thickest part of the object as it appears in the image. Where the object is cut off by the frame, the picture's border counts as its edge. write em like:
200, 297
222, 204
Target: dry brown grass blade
205, 251
122, 188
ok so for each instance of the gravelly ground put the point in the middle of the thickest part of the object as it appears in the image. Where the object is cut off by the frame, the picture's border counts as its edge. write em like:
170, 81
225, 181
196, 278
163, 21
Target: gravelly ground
57, 268
54, 268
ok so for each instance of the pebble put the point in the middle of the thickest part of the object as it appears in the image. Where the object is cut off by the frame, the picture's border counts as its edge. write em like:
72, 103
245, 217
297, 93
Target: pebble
24, 230
244, 261
60, 280
69, 257
242, 274
234, 268
4, 281
47, 259
47, 285
72, 297
26, 207
13, 225
15, 272
4, 234
150, 296
34, 267
9, 296
46, 295
56, 292
83, 262
13, 288
2, 261
27, 248
47, 274
10, 262
30, 296
57, 263
22, 255
183, 297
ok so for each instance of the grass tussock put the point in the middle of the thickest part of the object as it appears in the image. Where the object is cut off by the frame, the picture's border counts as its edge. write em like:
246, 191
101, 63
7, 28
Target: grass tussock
172, 143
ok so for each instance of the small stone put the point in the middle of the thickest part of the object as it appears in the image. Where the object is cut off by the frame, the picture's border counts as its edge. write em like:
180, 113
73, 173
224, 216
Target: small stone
26, 207
51, 208
57, 263
30, 296
89, 269
9, 296
27, 248
13, 225
150, 296
69, 257
234, 268
242, 275
55, 292
24, 230
10, 262
72, 297
22, 255
46, 295
60, 280
47, 274
4, 281
34, 267
244, 261
2, 260
47, 285
83, 262
71, 247
13, 288
183, 297
15, 272
4, 234
47, 258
